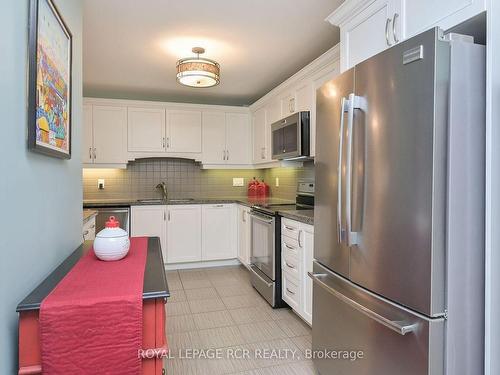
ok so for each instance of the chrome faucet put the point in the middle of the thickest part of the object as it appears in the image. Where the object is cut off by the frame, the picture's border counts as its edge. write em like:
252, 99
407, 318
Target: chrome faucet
163, 186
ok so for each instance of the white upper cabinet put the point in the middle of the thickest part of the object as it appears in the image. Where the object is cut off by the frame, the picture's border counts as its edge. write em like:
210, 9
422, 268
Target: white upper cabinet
368, 27
87, 141
260, 137
287, 105
226, 138
214, 138
424, 14
146, 129
304, 98
273, 110
238, 138
109, 125
219, 232
183, 131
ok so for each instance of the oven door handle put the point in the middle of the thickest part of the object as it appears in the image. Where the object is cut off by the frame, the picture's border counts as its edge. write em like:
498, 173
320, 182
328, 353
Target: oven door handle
262, 218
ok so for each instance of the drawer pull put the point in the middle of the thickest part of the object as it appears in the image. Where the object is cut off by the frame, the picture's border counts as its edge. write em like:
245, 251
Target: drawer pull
289, 247
290, 228
289, 265
289, 291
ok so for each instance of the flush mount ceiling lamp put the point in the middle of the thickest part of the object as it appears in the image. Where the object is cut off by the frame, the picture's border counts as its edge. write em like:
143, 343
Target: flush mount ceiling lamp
198, 71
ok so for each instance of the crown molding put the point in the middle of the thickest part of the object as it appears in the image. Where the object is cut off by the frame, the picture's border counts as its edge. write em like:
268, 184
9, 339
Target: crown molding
325, 60
346, 10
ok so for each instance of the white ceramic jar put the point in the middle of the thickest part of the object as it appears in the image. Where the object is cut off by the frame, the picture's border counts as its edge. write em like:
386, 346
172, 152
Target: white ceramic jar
111, 243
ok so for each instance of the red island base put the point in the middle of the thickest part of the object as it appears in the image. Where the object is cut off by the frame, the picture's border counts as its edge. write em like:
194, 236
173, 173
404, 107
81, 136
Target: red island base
153, 337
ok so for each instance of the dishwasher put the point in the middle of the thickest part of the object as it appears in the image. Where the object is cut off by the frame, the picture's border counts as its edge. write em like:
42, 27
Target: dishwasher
122, 214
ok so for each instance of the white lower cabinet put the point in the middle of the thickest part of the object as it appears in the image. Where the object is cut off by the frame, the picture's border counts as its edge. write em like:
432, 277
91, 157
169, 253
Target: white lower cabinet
191, 232
150, 221
244, 235
184, 233
218, 232
297, 244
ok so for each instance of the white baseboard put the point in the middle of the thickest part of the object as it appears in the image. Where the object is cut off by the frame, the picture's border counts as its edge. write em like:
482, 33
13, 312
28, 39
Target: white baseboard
207, 264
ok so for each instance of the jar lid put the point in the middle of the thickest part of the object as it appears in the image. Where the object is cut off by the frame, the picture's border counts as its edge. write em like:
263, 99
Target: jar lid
112, 223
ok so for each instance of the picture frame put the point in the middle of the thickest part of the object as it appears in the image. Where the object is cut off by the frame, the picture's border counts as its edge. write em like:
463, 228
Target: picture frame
49, 81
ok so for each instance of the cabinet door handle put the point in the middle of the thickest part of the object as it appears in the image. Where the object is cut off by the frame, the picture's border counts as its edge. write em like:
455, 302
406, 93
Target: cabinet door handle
223, 154
289, 291
168, 142
394, 33
290, 228
299, 238
168, 215
95, 153
387, 22
227, 154
289, 265
164, 216
90, 153
289, 247
218, 205
163, 142
243, 218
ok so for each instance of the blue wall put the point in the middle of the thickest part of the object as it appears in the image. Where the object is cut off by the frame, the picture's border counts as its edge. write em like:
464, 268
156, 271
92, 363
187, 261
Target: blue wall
40, 196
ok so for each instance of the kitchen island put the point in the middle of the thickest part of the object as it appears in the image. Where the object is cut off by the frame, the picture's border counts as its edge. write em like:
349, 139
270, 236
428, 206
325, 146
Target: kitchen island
155, 294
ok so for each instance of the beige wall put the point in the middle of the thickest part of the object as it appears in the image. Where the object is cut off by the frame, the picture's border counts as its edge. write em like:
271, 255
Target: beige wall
185, 179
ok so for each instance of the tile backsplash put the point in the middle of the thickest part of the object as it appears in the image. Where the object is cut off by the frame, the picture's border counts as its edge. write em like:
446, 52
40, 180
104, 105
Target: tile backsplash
186, 179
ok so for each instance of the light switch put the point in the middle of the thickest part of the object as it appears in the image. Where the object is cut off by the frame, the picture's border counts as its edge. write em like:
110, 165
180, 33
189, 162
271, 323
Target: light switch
100, 183
238, 181
277, 181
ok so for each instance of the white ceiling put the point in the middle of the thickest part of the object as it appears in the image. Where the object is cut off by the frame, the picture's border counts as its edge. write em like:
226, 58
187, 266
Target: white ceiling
130, 47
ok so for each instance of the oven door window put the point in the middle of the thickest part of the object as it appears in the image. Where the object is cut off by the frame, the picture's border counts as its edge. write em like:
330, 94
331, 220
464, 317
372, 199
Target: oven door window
262, 255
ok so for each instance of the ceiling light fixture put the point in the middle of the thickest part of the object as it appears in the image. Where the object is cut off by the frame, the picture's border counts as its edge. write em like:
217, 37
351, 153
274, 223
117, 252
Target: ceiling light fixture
198, 71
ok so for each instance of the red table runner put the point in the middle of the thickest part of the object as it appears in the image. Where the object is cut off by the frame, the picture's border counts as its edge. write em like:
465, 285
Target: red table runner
91, 323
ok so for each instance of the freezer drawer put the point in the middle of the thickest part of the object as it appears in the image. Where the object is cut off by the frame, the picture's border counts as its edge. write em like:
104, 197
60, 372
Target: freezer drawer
392, 339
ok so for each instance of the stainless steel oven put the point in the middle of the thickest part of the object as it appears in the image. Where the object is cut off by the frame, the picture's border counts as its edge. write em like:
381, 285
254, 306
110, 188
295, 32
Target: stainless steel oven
291, 137
263, 254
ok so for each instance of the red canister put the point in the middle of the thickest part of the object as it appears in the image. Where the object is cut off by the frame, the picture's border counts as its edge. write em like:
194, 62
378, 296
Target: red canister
252, 188
262, 189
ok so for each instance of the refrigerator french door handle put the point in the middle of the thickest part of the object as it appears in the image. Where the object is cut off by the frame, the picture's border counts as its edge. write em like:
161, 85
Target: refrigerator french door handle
340, 236
354, 102
397, 326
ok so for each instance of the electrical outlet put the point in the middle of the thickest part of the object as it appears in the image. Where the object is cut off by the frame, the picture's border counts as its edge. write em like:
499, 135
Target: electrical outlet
238, 181
277, 181
100, 183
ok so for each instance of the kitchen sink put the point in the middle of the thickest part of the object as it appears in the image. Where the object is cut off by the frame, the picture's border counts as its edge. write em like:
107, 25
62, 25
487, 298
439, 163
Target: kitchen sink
153, 200
181, 200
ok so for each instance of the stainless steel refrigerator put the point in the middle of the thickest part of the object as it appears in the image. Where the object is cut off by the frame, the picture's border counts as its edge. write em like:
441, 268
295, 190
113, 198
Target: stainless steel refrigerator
399, 212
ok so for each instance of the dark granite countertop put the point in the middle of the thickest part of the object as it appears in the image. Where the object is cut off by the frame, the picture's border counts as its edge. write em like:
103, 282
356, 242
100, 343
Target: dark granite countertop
155, 280
125, 202
304, 216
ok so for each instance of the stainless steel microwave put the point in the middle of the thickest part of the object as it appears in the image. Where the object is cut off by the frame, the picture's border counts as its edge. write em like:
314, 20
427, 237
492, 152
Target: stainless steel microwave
291, 137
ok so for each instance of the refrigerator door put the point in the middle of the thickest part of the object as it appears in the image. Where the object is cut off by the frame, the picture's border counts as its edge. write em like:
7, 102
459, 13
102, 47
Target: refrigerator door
398, 173
377, 336
331, 247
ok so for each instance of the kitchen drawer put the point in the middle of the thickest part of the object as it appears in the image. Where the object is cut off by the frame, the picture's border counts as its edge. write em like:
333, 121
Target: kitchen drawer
290, 246
291, 265
291, 291
290, 228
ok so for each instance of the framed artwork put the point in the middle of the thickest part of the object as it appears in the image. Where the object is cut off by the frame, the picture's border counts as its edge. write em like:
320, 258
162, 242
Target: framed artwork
49, 97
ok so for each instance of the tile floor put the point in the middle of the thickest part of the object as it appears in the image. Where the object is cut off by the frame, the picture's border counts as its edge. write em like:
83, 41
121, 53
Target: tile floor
217, 308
